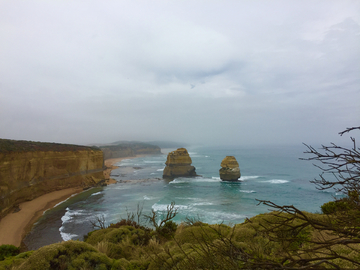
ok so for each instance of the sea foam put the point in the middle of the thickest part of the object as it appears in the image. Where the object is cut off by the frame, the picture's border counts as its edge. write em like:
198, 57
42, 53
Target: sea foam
66, 218
153, 162
67, 236
148, 198
249, 177
276, 181
195, 180
203, 203
164, 207
248, 191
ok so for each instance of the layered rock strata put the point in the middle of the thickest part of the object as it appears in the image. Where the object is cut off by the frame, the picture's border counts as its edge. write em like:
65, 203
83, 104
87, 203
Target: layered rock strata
230, 170
178, 164
29, 170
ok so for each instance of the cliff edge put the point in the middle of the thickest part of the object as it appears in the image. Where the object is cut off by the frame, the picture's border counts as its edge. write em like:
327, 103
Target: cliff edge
31, 169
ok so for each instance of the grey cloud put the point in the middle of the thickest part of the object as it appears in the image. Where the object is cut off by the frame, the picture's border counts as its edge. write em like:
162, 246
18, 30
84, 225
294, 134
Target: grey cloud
233, 72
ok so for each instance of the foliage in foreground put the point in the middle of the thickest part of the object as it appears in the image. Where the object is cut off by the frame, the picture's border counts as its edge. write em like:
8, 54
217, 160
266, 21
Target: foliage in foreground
8, 251
335, 238
194, 245
286, 238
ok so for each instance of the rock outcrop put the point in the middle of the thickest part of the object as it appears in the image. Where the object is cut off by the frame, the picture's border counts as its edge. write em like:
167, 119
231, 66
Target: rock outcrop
178, 164
31, 169
129, 149
230, 170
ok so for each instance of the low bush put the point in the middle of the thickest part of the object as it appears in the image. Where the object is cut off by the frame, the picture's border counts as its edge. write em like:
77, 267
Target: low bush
334, 207
167, 230
67, 255
8, 251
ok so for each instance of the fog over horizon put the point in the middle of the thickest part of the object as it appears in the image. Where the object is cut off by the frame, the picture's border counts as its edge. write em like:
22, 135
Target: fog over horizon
196, 72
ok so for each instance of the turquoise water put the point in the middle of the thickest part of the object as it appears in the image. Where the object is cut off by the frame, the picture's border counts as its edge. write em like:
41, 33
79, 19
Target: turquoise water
267, 173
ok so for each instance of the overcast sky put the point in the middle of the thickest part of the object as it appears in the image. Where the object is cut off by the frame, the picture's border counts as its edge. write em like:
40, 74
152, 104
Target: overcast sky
199, 72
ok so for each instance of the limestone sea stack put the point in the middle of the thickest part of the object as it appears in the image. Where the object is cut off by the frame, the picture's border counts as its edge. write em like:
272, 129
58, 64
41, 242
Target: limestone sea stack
230, 170
178, 164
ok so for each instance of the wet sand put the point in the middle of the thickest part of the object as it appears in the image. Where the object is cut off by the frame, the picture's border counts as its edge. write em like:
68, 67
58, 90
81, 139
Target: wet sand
14, 226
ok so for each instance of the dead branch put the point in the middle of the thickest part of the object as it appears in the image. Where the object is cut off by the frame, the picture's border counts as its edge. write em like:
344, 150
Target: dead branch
99, 222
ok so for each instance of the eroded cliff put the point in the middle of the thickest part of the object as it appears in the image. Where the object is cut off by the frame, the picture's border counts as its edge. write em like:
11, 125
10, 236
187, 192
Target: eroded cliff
31, 169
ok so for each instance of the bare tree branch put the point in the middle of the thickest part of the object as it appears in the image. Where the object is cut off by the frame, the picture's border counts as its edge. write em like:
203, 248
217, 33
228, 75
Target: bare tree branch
99, 222
348, 130
171, 212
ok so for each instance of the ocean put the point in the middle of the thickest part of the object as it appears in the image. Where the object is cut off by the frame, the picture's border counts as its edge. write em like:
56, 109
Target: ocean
267, 173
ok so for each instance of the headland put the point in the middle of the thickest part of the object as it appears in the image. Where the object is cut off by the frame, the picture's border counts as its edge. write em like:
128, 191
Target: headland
35, 177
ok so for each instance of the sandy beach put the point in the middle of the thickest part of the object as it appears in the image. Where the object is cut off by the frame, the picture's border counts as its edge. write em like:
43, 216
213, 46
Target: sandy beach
15, 226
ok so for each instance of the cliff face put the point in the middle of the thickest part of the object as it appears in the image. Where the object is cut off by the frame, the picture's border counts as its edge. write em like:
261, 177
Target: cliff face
129, 149
178, 164
116, 152
230, 170
27, 174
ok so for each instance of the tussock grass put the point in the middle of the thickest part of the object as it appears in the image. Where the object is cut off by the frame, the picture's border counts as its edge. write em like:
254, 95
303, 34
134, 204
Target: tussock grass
249, 245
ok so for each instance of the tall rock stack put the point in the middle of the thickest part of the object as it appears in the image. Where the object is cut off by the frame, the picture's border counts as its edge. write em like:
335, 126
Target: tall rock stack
230, 170
178, 164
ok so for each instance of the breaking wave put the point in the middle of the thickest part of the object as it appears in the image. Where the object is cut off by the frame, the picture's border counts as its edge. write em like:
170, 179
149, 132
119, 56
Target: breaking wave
249, 177
248, 191
276, 181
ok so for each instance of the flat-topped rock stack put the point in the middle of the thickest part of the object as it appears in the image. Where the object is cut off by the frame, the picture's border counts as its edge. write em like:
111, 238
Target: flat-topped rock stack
178, 164
230, 170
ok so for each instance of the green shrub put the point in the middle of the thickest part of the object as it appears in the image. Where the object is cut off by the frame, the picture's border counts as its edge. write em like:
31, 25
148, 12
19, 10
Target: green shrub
121, 264
334, 207
117, 235
14, 261
67, 255
205, 232
167, 230
137, 265
8, 251
127, 222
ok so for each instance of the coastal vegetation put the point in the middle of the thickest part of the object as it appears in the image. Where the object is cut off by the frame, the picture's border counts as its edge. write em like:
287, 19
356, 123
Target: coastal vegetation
8, 251
194, 245
31, 146
285, 238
